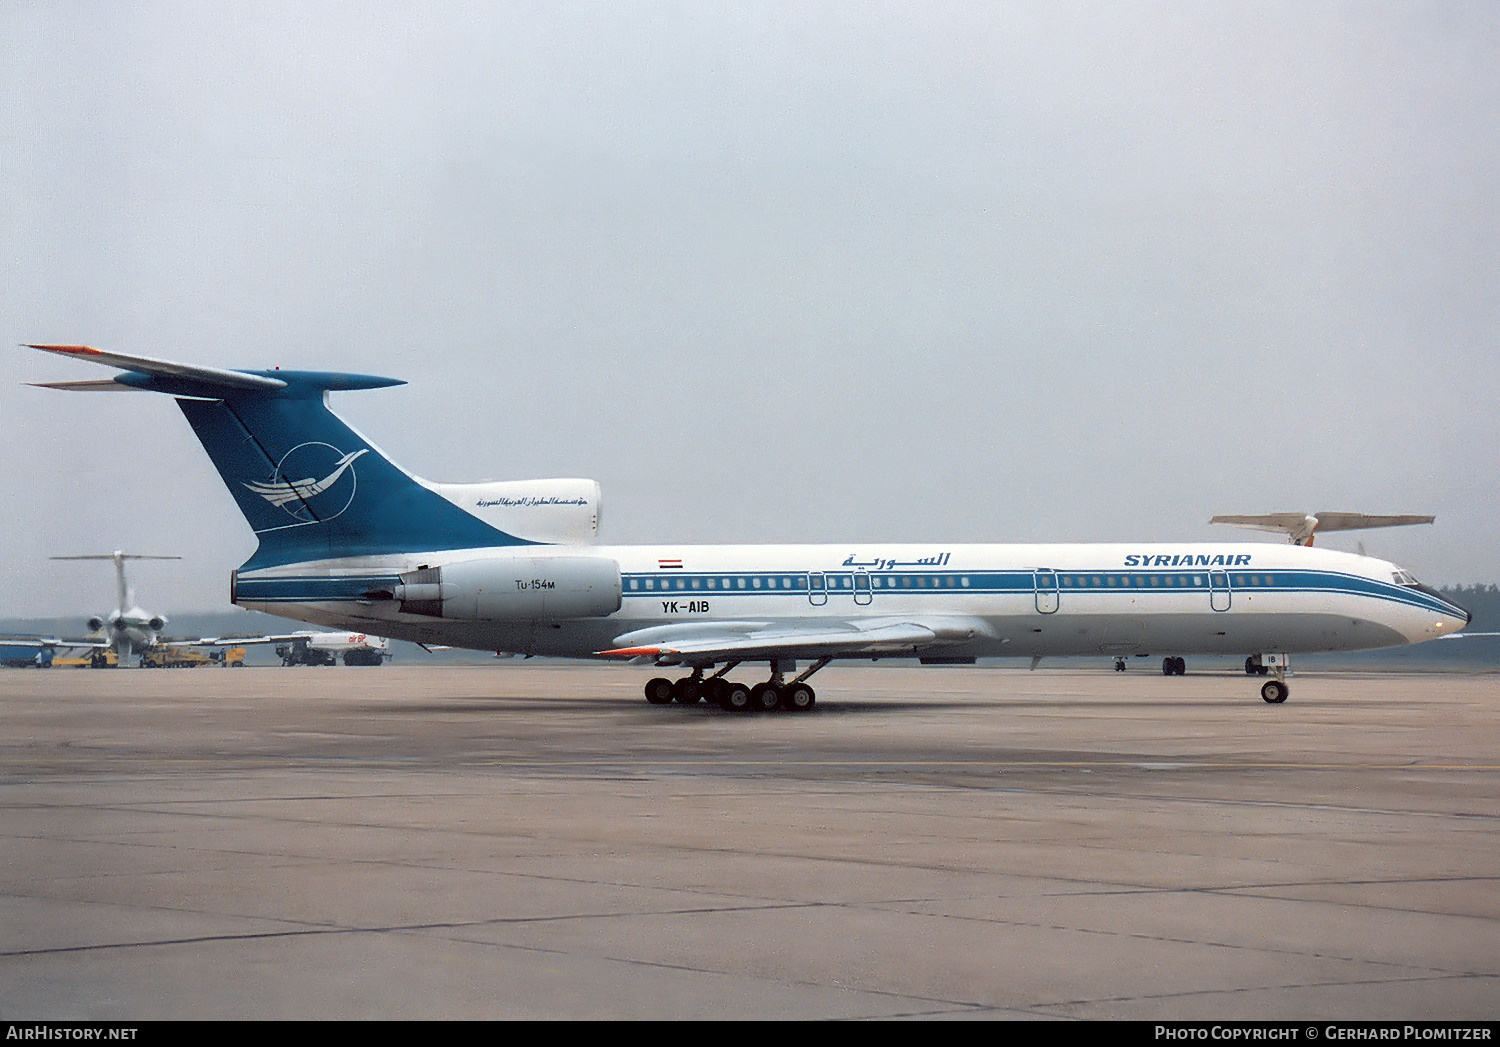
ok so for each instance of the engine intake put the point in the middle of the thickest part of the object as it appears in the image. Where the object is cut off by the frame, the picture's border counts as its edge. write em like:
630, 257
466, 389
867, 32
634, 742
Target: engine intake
513, 588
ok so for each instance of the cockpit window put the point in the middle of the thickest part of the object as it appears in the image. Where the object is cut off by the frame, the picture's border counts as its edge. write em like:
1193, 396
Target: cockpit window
1403, 578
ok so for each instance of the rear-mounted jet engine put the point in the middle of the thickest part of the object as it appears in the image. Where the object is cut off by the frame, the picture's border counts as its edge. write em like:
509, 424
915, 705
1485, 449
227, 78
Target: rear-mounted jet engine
513, 588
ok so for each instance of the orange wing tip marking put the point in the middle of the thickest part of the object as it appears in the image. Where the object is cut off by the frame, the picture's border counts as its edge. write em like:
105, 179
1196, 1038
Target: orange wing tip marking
67, 349
630, 652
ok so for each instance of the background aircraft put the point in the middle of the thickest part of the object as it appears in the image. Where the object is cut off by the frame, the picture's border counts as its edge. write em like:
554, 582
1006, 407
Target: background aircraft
127, 636
128, 630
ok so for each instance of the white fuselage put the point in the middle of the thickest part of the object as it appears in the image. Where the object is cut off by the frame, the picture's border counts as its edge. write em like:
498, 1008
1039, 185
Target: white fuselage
1015, 600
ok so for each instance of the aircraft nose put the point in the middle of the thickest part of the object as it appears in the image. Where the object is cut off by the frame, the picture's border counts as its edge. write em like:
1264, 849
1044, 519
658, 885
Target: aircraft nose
1460, 609
1453, 605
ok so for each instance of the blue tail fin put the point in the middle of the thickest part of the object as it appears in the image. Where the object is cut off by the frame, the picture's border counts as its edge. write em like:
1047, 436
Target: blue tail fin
310, 486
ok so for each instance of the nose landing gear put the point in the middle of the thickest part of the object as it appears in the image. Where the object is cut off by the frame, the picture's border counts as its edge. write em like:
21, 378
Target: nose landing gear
1274, 691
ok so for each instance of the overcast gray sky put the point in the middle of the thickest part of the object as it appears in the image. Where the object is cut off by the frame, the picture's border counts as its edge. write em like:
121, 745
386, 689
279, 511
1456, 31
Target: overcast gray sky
769, 272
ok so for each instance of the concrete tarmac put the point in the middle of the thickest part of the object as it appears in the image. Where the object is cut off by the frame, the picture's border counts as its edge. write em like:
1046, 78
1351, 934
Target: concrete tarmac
536, 842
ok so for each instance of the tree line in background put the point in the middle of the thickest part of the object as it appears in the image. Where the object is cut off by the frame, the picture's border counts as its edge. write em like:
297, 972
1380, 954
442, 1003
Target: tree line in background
1480, 600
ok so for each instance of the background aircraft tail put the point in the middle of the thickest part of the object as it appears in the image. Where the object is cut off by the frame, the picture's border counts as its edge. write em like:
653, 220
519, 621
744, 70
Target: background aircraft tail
124, 594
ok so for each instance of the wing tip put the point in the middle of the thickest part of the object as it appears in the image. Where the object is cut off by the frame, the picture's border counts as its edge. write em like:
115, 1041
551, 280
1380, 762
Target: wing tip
74, 350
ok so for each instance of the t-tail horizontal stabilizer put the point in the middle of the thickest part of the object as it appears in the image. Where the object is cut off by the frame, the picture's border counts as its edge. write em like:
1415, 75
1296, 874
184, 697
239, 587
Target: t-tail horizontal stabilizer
1301, 526
209, 377
309, 486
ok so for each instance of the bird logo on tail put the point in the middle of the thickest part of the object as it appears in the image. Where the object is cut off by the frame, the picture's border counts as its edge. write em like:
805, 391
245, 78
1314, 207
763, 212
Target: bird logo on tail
294, 486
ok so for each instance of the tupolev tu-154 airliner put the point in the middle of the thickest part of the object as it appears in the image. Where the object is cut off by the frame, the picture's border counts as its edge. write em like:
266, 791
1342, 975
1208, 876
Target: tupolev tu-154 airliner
349, 540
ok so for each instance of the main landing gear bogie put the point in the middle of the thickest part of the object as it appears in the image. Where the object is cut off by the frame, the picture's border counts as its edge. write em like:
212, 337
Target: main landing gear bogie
1253, 666
774, 694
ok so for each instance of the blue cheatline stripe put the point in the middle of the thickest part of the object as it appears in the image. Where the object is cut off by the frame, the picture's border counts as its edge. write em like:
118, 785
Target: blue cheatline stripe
1023, 583
322, 588
311, 588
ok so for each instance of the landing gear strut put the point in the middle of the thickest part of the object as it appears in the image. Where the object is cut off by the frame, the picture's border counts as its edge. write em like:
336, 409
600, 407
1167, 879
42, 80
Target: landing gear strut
776, 693
797, 696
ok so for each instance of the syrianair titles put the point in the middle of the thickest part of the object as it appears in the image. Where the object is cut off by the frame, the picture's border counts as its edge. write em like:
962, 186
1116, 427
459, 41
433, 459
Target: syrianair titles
349, 540
1187, 560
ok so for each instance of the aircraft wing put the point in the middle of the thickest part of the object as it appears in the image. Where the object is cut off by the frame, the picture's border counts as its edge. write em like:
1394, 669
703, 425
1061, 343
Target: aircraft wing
242, 641
105, 645
707, 642
52, 641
